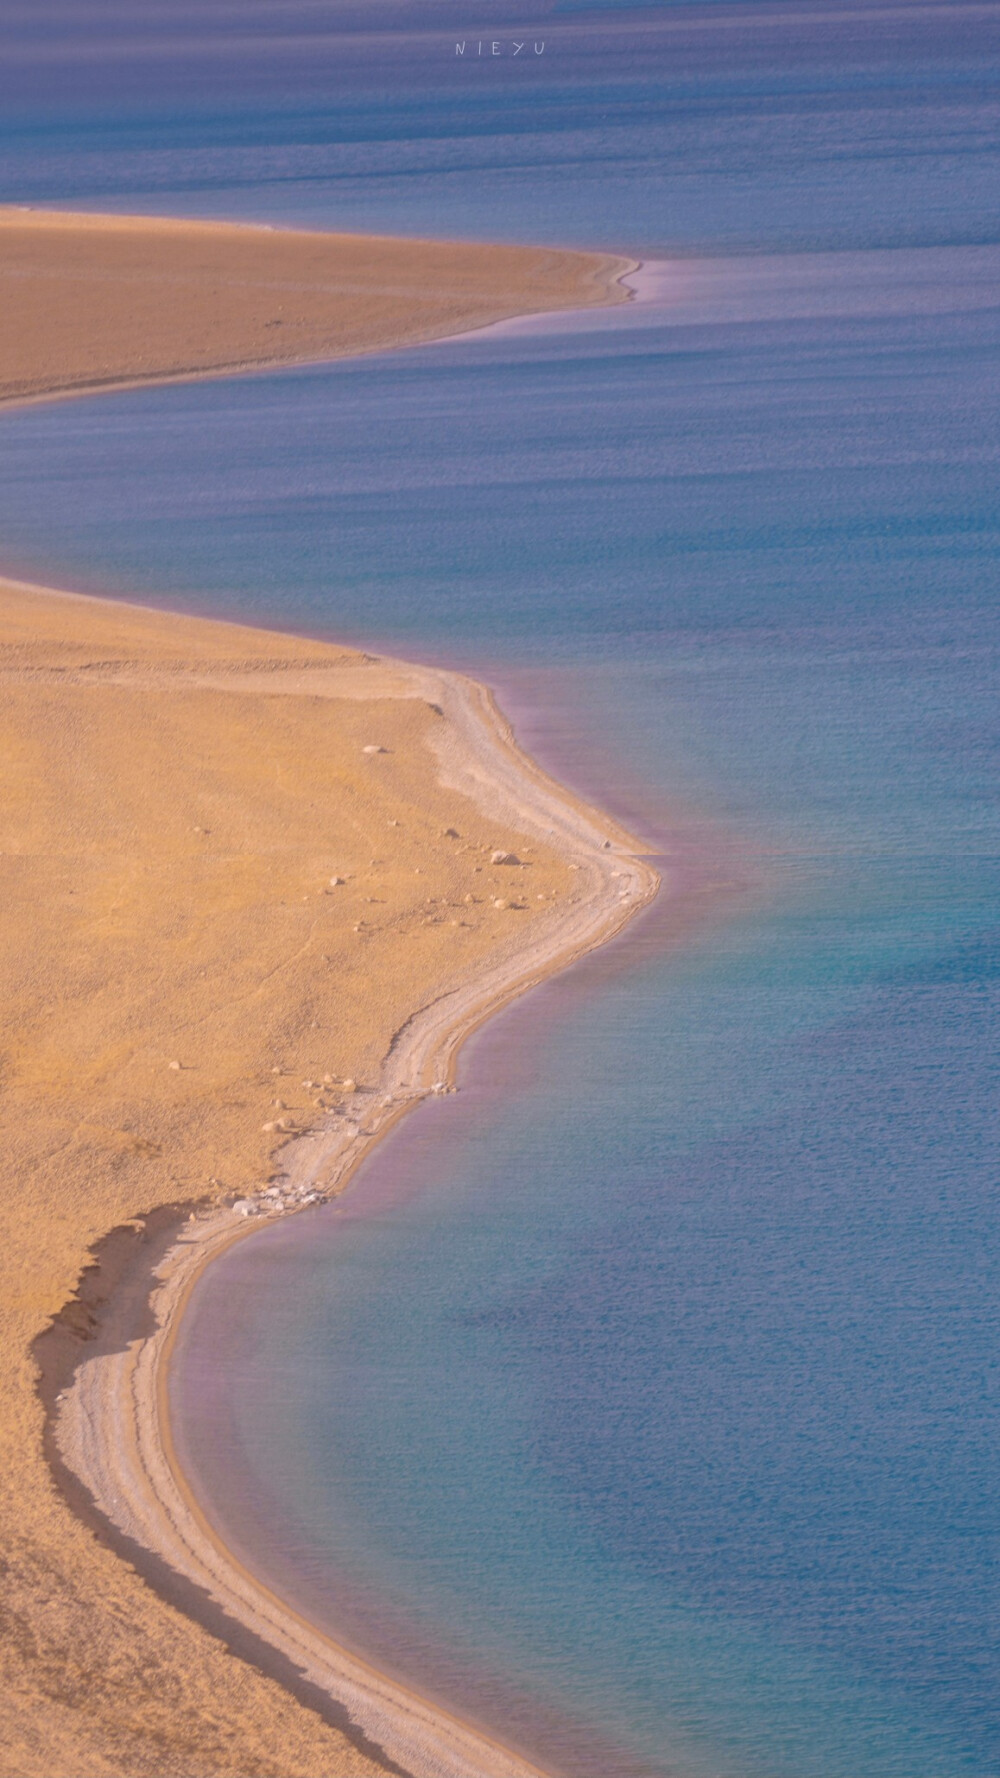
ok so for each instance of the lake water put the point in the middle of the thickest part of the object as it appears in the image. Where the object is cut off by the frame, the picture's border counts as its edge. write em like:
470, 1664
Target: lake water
641, 1400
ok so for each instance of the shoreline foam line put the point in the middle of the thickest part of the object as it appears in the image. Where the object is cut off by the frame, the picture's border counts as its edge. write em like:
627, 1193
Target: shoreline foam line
111, 1423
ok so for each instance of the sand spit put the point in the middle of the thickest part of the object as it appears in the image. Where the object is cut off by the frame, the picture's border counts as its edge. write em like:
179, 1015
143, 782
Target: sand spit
252, 911
94, 302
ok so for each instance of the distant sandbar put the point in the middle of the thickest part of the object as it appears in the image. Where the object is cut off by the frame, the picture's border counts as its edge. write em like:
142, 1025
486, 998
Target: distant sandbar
96, 302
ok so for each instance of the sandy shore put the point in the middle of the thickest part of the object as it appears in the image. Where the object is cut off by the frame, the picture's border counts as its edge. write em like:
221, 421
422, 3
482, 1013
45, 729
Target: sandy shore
251, 908
176, 957
101, 302
134, 1478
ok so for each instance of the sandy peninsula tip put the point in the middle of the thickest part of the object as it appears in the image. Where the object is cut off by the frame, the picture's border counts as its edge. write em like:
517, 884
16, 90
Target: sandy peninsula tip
95, 302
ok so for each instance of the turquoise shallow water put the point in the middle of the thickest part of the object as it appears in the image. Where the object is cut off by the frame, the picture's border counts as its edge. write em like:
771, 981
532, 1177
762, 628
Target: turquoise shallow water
644, 1394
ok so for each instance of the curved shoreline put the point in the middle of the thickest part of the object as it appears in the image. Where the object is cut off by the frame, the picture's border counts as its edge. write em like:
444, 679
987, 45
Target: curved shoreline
110, 1427
107, 1431
450, 289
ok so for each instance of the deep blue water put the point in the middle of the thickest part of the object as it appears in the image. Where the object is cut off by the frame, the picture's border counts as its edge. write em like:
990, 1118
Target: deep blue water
649, 1388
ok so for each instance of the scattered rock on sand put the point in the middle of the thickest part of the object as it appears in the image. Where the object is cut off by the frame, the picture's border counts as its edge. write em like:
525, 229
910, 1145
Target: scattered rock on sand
498, 901
504, 858
176, 1066
372, 748
336, 882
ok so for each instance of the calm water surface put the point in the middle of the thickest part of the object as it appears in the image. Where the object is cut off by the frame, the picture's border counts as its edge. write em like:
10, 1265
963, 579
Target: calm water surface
641, 1400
